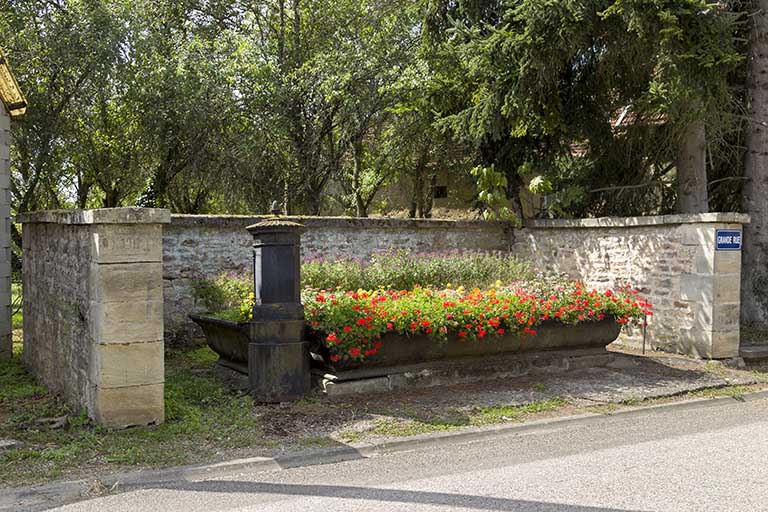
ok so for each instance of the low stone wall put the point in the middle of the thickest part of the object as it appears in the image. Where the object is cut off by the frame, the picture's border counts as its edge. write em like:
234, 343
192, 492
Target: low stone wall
672, 259
93, 310
197, 246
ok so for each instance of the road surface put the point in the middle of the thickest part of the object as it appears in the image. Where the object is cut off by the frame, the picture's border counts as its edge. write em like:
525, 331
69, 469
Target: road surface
707, 458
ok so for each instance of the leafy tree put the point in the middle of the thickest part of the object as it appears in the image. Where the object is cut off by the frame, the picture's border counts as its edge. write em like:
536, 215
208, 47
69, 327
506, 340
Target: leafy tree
755, 253
545, 75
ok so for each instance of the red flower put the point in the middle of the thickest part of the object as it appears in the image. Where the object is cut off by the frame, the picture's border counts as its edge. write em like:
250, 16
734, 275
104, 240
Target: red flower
462, 334
500, 331
361, 321
414, 325
390, 325
332, 338
347, 328
335, 358
354, 352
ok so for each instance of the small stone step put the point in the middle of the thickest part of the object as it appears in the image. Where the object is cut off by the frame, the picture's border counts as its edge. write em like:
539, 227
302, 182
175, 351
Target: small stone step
754, 352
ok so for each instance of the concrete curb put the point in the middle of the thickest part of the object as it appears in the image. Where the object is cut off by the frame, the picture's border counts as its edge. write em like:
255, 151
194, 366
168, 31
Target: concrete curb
49, 495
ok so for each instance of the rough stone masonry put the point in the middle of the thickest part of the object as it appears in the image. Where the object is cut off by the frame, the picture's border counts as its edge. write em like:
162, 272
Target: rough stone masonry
671, 258
93, 310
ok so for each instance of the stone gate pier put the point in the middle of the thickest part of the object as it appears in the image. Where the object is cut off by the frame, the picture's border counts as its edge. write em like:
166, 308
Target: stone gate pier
93, 310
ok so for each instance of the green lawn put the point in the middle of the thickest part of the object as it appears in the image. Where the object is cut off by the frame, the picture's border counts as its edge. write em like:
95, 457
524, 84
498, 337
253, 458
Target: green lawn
202, 418
17, 319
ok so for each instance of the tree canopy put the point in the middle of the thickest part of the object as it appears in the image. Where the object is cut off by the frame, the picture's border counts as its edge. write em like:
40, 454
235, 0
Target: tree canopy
596, 107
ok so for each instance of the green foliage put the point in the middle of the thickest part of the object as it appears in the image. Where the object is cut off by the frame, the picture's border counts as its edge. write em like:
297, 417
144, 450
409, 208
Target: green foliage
403, 270
203, 417
492, 186
609, 82
224, 295
501, 413
322, 104
16, 383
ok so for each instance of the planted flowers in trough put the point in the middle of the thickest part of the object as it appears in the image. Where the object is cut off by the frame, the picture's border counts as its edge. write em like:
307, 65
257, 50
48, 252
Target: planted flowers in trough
385, 327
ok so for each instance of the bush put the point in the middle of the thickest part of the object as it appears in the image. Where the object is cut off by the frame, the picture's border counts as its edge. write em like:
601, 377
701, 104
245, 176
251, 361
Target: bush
225, 296
401, 270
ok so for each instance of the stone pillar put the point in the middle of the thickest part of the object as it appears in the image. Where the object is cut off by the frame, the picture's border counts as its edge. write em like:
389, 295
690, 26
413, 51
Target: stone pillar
278, 356
713, 290
93, 310
6, 344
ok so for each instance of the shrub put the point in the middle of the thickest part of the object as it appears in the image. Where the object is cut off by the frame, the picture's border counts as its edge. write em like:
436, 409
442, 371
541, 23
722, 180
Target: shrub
229, 296
401, 270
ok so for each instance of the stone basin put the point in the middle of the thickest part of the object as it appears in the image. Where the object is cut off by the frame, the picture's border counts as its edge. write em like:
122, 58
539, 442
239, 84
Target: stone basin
230, 340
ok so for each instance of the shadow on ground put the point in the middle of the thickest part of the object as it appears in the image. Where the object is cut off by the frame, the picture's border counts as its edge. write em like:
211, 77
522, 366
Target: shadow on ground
466, 501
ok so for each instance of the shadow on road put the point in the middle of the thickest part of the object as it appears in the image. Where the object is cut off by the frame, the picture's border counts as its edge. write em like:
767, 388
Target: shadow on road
467, 501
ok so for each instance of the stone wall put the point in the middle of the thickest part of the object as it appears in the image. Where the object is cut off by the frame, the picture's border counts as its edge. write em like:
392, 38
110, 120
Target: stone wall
671, 259
6, 346
93, 310
196, 246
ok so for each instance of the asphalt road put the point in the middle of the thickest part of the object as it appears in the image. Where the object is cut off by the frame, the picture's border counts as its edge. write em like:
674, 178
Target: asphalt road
709, 458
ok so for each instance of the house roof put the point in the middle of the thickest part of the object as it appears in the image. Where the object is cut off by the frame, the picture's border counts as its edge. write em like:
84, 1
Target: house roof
10, 93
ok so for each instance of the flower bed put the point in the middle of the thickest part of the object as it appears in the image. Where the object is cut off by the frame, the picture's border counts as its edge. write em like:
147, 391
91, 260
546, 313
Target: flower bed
352, 324
351, 328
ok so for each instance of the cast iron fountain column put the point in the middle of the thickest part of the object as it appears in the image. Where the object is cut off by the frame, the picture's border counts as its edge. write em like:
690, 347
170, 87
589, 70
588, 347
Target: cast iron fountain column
278, 356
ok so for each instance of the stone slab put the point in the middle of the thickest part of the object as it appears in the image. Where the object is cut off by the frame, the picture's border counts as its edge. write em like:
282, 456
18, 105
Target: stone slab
133, 364
126, 243
10, 444
126, 322
98, 216
121, 282
468, 371
129, 406
726, 217
753, 353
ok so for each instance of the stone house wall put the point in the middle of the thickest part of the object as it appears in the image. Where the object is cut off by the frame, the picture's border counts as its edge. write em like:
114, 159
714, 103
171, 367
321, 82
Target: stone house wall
93, 310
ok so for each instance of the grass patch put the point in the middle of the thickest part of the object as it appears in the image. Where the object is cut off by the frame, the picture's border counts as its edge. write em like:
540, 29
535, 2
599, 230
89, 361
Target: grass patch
504, 413
404, 428
202, 417
317, 442
732, 391
17, 320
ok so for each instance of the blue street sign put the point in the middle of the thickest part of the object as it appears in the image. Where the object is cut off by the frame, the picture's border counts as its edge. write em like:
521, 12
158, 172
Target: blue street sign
727, 239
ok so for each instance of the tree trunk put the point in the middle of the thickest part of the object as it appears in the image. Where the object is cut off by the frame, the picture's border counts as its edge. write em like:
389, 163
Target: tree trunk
429, 200
754, 271
692, 170
361, 208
